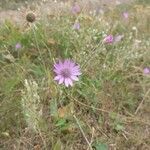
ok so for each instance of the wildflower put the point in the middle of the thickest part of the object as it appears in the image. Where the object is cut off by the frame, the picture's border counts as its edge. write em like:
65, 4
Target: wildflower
146, 70
18, 46
66, 72
125, 15
118, 38
76, 26
108, 39
75, 9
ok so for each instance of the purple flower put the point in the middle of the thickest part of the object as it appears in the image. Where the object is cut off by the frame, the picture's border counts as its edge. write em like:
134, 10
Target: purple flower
108, 39
125, 15
66, 72
118, 38
18, 46
75, 9
146, 70
76, 26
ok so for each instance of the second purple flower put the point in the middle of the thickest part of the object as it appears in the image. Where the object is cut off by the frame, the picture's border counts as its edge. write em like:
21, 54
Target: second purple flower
108, 39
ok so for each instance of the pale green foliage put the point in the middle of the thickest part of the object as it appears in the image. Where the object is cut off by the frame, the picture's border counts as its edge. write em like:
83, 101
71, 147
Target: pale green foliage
31, 104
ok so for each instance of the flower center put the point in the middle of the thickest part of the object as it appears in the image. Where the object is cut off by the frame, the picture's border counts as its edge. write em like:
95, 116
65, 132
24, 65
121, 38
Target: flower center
66, 73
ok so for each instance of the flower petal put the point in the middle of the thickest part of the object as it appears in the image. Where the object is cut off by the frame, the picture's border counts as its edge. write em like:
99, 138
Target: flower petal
67, 63
66, 82
76, 67
58, 71
70, 82
72, 64
60, 64
58, 77
56, 66
75, 78
77, 73
61, 80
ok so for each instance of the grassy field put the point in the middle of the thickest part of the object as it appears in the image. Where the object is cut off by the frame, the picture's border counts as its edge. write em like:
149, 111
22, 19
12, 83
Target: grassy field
107, 109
